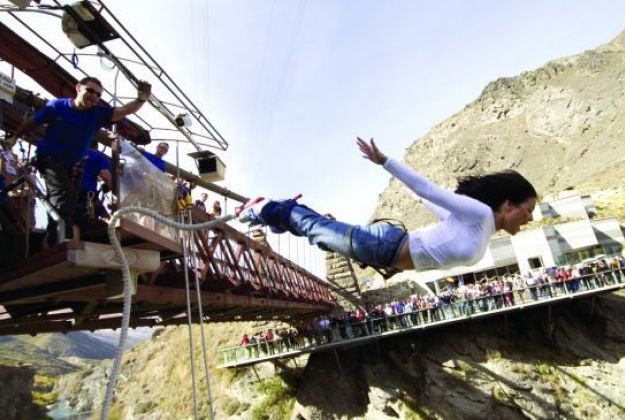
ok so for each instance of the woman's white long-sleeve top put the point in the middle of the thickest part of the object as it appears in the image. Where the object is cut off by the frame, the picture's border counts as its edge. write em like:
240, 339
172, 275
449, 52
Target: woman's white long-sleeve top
466, 225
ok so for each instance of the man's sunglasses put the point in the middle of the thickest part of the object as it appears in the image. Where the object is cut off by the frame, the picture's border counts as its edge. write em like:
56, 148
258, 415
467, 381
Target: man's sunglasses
93, 91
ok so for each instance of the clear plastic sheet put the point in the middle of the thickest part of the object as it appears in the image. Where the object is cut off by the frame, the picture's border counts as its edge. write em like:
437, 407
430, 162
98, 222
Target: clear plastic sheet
143, 184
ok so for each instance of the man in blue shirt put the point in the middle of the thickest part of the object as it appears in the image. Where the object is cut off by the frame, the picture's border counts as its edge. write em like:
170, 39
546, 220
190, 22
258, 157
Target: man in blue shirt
157, 158
98, 165
72, 123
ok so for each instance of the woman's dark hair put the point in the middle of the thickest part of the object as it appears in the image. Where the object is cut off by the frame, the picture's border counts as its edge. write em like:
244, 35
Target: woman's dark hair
493, 189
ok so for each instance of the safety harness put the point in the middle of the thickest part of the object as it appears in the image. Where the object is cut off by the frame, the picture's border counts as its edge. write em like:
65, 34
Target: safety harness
385, 272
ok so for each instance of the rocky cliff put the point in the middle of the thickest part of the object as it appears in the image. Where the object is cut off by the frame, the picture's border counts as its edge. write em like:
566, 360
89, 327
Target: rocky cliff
16, 398
561, 125
570, 364
530, 367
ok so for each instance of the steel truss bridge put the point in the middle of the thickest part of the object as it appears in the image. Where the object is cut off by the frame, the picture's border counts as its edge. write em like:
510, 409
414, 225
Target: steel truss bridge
76, 285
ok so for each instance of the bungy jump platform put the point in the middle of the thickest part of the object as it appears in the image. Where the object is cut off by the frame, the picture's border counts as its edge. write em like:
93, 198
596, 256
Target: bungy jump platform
77, 285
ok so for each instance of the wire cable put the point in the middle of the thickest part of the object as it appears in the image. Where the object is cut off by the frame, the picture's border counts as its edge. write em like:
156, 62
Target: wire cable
187, 289
194, 264
126, 276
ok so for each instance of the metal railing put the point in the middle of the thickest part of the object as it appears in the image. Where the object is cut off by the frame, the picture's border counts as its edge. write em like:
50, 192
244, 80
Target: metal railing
444, 313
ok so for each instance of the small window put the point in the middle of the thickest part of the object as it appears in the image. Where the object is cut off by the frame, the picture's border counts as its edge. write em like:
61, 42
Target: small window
535, 263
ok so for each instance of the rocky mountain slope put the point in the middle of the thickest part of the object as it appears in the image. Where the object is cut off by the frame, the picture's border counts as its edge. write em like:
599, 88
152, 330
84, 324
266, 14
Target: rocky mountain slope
74, 343
570, 365
156, 376
30, 366
50, 354
561, 125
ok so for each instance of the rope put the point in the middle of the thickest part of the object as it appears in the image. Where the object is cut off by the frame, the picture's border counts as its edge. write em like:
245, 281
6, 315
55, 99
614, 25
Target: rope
123, 261
185, 246
194, 264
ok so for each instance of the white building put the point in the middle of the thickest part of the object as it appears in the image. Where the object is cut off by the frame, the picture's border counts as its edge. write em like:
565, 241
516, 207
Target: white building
561, 243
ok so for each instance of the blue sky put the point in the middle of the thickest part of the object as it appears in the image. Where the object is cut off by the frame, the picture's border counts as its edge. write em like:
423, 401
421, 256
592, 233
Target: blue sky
291, 83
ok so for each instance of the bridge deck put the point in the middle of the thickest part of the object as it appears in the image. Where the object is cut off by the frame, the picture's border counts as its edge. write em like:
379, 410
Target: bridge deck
446, 315
77, 285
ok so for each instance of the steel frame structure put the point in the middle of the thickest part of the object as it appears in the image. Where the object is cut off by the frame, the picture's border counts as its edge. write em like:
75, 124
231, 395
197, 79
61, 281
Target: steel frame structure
240, 279
205, 132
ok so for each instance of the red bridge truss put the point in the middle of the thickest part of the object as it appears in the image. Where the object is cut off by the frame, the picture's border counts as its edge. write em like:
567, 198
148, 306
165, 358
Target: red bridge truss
77, 285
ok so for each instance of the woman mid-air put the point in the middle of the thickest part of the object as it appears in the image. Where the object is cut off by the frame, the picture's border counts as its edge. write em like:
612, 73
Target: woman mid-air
480, 206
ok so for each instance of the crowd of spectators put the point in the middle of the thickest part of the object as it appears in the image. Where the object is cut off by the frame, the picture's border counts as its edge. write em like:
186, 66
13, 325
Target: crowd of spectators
269, 342
456, 299
201, 204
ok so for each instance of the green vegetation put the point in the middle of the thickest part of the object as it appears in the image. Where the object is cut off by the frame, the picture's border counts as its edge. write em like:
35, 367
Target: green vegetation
226, 376
278, 402
466, 369
519, 369
494, 355
43, 399
43, 381
611, 206
233, 406
413, 409
143, 407
422, 413
115, 413
42, 393
543, 368
551, 376
500, 395
461, 371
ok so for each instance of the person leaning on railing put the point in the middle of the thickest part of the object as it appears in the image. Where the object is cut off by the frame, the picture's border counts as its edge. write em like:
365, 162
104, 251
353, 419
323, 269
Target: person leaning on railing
436, 308
417, 310
245, 342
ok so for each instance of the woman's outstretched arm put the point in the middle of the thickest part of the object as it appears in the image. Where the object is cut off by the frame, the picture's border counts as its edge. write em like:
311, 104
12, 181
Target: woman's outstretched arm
462, 206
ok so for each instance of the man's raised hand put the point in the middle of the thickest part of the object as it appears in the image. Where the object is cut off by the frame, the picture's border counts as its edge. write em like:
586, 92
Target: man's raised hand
144, 91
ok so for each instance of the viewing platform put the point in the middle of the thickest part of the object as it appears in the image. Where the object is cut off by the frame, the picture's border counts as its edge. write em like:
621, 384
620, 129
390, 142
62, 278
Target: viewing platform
461, 311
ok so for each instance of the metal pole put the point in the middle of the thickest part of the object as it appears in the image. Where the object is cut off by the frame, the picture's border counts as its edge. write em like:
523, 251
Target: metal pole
338, 362
549, 313
115, 153
592, 307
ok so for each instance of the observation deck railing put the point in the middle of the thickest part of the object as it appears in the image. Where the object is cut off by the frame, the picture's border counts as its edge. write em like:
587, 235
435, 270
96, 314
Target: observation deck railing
422, 318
